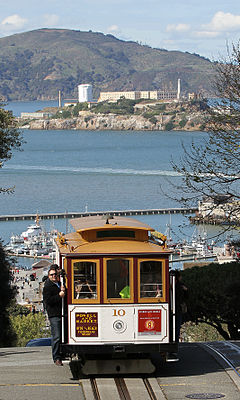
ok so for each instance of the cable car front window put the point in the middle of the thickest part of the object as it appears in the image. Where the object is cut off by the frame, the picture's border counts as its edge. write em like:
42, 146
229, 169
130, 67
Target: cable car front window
118, 279
151, 279
85, 284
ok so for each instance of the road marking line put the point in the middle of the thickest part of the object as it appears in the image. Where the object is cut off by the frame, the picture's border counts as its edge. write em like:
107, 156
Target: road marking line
41, 384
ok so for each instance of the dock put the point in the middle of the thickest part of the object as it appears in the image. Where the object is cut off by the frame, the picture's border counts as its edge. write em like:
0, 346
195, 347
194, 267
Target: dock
112, 213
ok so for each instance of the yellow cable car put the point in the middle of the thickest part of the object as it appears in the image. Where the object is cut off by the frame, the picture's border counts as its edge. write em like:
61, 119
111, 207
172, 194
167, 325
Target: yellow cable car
119, 296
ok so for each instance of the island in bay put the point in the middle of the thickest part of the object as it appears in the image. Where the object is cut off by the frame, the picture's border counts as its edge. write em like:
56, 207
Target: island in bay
123, 115
39, 64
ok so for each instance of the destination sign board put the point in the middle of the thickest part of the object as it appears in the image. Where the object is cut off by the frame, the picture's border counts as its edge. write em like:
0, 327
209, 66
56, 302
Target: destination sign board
86, 324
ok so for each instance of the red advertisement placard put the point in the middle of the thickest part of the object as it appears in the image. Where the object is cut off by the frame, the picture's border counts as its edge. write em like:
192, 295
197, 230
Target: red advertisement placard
86, 324
149, 322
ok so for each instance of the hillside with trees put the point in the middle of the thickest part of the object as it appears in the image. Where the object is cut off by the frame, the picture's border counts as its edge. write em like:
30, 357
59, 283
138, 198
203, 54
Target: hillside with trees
37, 64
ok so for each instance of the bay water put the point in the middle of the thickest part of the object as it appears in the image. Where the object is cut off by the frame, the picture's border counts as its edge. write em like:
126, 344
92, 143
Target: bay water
70, 170
17, 107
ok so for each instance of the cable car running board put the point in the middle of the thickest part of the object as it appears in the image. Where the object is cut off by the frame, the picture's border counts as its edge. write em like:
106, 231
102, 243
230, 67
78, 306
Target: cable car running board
116, 367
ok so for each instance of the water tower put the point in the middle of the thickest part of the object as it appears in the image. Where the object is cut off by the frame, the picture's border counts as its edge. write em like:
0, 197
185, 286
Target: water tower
84, 93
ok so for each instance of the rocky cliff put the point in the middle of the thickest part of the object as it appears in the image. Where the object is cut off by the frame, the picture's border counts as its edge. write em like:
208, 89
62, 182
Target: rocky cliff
91, 121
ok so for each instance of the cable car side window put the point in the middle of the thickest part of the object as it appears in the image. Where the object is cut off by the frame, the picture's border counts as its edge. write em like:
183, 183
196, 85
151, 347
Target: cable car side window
85, 280
151, 280
118, 279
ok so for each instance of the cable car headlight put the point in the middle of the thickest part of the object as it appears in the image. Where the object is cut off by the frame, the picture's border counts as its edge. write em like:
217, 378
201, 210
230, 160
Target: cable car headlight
119, 326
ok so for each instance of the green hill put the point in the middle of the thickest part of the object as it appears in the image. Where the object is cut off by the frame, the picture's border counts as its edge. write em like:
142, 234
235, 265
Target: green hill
36, 64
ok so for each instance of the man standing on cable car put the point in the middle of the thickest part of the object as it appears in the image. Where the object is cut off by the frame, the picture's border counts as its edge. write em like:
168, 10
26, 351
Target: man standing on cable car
53, 295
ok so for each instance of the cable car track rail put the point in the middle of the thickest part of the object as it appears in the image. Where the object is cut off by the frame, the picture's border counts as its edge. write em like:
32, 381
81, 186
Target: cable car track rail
95, 389
150, 389
123, 389
227, 354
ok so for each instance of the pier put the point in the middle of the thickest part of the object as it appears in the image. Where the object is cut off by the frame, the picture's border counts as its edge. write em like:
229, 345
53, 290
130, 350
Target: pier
68, 214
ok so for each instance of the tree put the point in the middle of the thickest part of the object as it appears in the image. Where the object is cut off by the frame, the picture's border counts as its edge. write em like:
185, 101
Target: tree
214, 297
80, 107
30, 326
213, 166
7, 294
16, 309
10, 138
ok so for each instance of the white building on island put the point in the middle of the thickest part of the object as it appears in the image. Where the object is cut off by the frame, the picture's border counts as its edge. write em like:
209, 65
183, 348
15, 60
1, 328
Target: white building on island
85, 93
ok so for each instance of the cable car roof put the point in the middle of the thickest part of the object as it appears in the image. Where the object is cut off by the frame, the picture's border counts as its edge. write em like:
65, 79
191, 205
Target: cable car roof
107, 221
73, 243
110, 235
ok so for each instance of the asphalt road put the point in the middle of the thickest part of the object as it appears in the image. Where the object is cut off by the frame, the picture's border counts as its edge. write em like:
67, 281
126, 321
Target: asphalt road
29, 374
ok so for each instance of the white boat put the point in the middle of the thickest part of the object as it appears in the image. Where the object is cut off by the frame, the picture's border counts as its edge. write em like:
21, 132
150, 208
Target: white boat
35, 242
198, 246
32, 231
16, 239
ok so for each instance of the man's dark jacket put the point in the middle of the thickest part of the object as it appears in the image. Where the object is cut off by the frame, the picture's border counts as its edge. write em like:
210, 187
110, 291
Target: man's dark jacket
51, 299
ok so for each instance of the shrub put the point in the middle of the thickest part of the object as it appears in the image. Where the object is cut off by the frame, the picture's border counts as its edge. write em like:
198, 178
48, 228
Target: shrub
153, 120
182, 123
191, 332
169, 126
79, 107
28, 327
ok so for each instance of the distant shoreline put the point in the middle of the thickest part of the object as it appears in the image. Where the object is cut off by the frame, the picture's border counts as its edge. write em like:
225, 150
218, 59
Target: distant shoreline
114, 122
124, 115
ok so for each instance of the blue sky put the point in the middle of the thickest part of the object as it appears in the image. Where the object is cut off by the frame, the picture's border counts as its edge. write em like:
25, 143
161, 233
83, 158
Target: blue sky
200, 26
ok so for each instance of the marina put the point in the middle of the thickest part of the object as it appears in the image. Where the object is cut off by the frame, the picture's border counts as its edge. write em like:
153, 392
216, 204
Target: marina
37, 243
34, 242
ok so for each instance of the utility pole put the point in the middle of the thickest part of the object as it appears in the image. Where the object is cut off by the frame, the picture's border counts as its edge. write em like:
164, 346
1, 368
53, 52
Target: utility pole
179, 89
